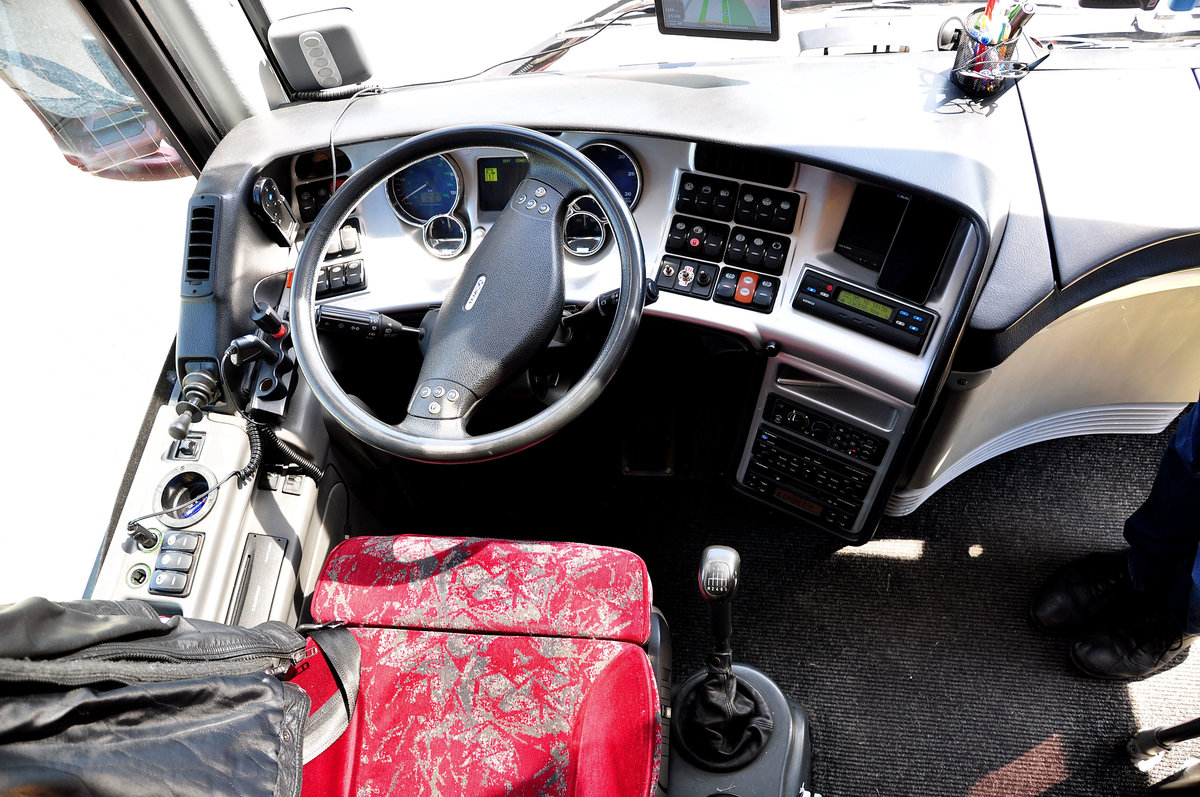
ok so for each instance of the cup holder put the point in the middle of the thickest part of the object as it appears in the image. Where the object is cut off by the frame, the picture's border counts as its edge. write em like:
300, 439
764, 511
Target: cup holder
181, 496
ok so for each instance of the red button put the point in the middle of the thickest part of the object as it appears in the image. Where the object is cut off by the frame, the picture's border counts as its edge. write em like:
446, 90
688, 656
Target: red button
747, 282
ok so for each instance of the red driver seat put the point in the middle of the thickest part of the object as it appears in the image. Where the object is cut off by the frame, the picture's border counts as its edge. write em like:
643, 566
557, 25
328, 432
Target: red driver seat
489, 667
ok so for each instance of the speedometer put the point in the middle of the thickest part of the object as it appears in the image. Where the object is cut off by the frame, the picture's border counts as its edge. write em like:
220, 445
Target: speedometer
425, 189
619, 167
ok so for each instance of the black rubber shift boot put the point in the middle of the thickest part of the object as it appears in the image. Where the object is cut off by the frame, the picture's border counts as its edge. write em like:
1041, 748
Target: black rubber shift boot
724, 723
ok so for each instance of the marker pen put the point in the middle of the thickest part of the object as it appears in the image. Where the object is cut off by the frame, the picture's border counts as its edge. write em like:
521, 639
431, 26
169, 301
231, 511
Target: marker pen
1019, 16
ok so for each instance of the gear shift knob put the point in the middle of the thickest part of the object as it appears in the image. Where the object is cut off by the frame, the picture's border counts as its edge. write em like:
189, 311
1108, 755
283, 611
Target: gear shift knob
720, 566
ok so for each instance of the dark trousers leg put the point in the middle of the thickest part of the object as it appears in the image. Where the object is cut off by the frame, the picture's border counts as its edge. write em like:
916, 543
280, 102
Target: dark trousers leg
1164, 532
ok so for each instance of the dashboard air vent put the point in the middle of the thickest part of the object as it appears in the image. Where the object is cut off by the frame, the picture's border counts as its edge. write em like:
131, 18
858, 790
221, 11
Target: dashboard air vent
744, 164
198, 259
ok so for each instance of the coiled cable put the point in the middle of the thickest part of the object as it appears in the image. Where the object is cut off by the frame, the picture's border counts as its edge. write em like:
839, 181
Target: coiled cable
340, 93
254, 436
309, 467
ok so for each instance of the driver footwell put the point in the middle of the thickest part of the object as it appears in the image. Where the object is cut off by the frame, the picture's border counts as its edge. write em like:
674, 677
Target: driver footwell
912, 655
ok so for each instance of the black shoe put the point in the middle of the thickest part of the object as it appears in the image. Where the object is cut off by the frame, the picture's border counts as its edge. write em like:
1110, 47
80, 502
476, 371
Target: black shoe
1085, 595
1133, 651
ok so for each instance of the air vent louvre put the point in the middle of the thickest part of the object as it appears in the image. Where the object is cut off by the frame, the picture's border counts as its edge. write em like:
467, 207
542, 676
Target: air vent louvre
744, 164
197, 266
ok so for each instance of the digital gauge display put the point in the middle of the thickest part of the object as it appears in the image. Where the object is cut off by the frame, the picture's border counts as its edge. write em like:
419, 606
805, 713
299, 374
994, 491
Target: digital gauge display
498, 179
869, 306
425, 189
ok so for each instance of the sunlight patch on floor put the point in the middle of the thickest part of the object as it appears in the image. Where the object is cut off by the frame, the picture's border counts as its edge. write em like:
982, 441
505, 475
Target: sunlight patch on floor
905, 550
1030, 774
1169, 698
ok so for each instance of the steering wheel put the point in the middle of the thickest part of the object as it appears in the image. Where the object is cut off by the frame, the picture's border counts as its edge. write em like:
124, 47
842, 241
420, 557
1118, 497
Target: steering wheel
502, 310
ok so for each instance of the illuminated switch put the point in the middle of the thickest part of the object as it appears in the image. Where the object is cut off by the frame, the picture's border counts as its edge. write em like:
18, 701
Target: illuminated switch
747, 282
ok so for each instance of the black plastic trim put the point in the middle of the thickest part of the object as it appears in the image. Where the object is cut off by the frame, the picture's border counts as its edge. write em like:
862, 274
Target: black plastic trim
755, 165
981, 350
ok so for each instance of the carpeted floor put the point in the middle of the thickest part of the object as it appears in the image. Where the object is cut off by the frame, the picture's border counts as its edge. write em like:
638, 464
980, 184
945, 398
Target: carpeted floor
913, 656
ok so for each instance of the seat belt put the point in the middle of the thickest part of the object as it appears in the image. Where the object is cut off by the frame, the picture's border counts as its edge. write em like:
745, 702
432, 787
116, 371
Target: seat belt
329, 722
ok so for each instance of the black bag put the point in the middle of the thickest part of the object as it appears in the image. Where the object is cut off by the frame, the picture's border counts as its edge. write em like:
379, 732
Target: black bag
106, 698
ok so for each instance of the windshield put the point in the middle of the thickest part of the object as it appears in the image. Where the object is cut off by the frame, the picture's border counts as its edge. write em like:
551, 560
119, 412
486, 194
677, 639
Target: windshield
417, 43
421, 42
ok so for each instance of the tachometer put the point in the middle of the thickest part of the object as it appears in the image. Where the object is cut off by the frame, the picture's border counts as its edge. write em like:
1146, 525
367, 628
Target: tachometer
425, 189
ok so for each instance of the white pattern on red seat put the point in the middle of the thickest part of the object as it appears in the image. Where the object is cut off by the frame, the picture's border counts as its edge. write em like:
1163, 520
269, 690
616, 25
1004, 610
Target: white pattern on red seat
498, 586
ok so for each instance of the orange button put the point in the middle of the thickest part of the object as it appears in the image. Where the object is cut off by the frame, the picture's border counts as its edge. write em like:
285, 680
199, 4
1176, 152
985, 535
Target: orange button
747, 282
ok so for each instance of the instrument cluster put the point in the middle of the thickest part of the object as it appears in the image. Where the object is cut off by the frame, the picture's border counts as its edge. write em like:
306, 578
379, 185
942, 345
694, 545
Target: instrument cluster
431, 194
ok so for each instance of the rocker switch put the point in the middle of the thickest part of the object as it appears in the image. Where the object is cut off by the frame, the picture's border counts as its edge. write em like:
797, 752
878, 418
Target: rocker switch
168, 581
180, 541
174, 560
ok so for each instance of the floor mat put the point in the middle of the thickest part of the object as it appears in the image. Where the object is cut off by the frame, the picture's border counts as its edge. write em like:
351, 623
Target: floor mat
913, 655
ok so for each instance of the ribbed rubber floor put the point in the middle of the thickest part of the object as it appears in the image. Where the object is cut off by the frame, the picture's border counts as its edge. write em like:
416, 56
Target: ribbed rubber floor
913, 656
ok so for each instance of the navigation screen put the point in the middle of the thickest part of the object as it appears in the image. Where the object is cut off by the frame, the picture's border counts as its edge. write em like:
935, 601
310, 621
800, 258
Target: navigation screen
498, 178
729, 19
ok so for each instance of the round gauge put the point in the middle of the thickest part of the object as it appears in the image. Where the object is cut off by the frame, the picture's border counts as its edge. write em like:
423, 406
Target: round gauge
619, 166
445, 236
584, 234
425, 189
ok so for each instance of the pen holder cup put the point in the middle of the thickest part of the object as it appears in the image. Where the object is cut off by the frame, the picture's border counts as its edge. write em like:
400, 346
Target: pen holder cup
982, 70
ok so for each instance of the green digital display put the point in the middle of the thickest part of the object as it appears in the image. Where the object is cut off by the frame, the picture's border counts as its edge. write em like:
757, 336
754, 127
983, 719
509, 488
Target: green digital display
868, 306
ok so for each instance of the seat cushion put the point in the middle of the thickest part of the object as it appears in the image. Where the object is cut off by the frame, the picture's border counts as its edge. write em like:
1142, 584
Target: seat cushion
487, 586
476, 714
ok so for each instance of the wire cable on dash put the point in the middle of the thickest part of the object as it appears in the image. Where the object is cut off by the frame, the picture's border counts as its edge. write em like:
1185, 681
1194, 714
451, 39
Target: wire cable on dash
371, 90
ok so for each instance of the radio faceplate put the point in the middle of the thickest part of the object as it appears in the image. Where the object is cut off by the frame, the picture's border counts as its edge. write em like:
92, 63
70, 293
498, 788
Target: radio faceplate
902, 325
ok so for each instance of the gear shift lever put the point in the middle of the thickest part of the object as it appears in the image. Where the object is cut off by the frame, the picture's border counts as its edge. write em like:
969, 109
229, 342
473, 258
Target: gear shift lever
724, 723
720, 567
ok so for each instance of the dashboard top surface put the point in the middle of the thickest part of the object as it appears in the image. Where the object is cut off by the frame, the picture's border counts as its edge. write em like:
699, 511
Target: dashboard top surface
888, 119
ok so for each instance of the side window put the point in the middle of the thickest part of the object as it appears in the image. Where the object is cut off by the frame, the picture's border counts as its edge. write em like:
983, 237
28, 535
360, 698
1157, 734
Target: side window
104, 256
53, 60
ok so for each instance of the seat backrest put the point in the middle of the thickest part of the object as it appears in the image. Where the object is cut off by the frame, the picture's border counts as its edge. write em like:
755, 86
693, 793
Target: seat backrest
489, 586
